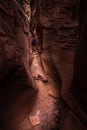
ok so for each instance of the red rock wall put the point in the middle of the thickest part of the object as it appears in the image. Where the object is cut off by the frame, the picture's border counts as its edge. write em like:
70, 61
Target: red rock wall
56, 21
76, 97
16, 90
80, 66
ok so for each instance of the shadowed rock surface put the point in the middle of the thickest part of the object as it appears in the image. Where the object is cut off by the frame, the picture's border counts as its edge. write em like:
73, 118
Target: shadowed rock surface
30, 81
56, 23
16, 89
20, 94
47, 109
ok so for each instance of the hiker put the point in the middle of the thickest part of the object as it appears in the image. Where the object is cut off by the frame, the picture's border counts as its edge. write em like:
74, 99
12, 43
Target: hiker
33, 41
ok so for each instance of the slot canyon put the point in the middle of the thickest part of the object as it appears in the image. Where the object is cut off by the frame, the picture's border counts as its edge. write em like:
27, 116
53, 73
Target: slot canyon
43, 58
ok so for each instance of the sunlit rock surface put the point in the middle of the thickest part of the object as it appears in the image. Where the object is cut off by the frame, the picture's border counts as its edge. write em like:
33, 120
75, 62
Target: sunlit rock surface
56, 22
21, 94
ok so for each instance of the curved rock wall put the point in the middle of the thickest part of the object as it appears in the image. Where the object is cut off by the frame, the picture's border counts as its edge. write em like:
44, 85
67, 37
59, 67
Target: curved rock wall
22, 105
16, 88
56, 23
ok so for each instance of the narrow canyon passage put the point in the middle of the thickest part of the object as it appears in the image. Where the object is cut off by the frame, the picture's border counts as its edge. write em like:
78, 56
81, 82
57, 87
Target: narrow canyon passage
45, 114
42, 87
46, 109
29, 82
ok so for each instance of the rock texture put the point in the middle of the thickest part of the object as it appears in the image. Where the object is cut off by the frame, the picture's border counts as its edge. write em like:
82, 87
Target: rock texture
76, 96
56, 23
28, 86
25, 5
16, 89
30, 82
45, 115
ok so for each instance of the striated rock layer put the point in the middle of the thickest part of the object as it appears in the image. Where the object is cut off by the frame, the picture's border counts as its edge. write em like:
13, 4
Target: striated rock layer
56, 23
29, 91
30, 83
16, 89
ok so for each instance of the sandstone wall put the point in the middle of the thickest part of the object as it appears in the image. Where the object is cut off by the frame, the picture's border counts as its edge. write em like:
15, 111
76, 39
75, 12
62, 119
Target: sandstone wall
16, 89
56, 22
